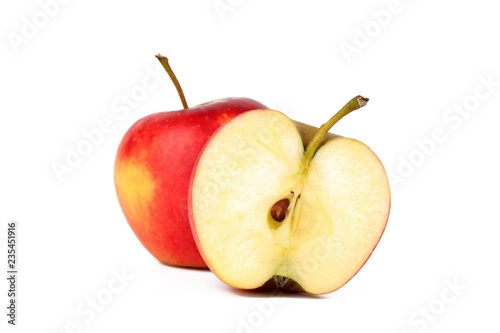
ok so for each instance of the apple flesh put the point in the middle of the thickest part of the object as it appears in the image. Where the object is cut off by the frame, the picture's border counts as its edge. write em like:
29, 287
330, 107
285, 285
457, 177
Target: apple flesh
268, 213
152, 173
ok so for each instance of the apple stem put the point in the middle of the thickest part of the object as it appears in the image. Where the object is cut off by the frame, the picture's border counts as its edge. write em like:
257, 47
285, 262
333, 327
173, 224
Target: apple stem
354, 104
165, 64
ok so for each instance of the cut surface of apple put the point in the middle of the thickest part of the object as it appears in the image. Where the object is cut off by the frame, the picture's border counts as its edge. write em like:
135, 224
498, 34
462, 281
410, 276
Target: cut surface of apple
261, 210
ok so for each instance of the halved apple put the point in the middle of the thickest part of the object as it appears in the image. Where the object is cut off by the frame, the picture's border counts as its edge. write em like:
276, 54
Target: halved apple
274, 206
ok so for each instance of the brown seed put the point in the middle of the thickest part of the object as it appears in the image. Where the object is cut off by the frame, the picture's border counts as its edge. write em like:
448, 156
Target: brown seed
278, 210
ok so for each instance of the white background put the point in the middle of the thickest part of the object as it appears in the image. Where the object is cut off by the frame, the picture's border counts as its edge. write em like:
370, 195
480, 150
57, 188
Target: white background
418, 67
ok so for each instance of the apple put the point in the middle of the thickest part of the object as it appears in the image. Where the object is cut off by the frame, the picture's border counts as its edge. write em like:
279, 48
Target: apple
279, 204
153, 168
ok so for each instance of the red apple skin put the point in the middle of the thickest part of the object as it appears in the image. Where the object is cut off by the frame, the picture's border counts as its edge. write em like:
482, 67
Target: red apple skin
152, 175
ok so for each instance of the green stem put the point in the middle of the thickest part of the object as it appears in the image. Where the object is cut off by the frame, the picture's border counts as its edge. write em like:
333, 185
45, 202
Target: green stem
354, 104
165, 64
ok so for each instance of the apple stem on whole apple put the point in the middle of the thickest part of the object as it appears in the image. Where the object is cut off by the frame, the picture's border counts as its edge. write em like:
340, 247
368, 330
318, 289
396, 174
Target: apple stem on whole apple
164, 61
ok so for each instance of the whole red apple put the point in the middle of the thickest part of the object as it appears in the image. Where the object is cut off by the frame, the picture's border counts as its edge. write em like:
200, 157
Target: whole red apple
153, 170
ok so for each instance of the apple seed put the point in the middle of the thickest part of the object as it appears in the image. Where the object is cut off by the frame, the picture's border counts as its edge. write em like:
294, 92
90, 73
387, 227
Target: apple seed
279, 209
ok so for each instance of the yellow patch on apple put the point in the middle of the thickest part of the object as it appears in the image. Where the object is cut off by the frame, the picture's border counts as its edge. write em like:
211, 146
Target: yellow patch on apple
135, 187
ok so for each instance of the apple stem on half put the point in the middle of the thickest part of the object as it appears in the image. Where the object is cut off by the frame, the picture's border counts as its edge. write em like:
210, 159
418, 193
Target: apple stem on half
164, 61
282, 207
354, 104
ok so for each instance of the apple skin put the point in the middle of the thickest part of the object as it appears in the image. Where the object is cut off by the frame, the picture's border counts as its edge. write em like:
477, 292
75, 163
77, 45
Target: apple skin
152, 175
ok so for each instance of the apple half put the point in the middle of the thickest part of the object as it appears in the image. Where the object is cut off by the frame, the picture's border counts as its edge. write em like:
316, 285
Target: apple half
279, 204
